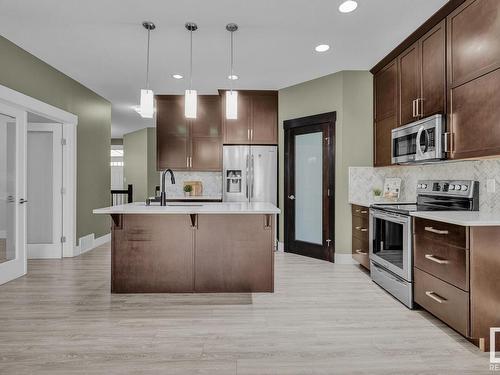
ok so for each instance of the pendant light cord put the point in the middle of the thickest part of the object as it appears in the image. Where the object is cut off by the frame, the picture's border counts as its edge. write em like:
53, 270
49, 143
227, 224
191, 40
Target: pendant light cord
147, 62
232, 63
191, 60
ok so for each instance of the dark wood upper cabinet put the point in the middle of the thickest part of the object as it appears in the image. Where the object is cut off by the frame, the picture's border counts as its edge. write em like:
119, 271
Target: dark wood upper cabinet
473, 40
385, 112
409, 84
433, 71
257, 121
194, 144
237, 131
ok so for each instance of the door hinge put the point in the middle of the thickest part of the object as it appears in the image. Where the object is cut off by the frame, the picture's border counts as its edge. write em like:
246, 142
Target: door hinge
63, 239
63, 141
63, 190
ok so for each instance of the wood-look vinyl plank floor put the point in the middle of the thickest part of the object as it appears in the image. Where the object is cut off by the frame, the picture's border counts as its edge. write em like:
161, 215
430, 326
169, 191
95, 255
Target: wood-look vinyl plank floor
323, 319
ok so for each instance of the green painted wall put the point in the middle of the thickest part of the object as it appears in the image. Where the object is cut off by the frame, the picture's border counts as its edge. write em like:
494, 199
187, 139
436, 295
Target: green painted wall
139, 157
349, 93
27, 74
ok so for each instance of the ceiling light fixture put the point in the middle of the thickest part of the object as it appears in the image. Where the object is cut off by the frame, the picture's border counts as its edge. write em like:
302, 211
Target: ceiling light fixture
147, 95
177, 76
232, 96
348, 6
322, 48
191, 96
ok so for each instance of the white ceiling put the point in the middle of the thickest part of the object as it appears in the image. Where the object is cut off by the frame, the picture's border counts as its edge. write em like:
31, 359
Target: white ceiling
102, 44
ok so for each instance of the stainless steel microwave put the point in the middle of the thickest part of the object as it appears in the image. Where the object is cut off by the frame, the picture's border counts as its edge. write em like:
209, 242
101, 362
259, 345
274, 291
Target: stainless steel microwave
420, 141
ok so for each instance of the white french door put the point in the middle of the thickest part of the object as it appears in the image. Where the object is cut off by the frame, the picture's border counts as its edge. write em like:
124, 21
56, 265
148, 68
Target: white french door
44, 191
12, 193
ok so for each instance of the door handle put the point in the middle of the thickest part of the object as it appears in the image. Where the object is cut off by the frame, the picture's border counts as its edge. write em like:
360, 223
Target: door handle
328, 242
436, 260
22, 201
361, 252
437, 231
291, 197
435, 297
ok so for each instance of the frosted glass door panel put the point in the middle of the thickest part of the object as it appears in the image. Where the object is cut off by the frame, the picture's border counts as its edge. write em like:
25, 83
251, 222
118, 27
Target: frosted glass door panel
40, 187
7, 188
309, 188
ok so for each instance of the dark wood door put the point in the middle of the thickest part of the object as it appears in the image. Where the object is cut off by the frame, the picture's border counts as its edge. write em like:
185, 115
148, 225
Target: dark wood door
433, 71
206, 154
473, 31
264, 121
237, 131
309, 186
386, 112
172, 133
409, 84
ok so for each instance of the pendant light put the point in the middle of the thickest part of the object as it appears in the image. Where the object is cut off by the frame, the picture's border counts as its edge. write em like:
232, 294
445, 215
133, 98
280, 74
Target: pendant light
231, 95
146, 109
191, 96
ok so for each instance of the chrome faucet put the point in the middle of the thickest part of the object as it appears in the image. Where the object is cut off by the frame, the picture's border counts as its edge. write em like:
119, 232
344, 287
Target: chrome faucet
163, 194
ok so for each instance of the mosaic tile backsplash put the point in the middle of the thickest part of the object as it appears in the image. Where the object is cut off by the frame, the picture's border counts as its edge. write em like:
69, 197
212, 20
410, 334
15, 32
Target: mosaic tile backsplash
362, 180
212, 183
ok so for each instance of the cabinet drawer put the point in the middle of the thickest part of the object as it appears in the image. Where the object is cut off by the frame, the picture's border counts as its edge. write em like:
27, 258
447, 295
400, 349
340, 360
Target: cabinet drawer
447, 263
430, 231
443, 300
360, 227
360, 211
360, 252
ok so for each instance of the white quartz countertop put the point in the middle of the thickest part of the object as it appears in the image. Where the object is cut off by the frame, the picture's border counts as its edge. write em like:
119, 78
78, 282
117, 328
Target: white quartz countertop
192, 208
194, 197
466, 219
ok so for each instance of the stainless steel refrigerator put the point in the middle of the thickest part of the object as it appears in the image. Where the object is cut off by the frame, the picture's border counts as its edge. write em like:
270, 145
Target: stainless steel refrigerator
250, 174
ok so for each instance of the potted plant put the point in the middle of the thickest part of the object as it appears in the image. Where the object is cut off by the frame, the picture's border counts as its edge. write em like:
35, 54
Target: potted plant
377, 194
188, 190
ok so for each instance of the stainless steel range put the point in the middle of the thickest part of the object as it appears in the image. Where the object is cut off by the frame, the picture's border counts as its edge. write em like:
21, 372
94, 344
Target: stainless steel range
391, 230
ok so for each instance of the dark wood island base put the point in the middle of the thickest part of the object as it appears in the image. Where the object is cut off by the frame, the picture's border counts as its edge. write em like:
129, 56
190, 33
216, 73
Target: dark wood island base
192, 253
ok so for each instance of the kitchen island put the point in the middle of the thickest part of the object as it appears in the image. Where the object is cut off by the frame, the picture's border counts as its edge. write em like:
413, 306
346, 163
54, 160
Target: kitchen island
192, 247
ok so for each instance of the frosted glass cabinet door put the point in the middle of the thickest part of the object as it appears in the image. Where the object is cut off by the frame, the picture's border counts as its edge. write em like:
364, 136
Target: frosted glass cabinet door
309, 188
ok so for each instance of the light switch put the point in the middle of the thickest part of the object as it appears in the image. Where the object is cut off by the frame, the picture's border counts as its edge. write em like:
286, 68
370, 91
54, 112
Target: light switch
490, 185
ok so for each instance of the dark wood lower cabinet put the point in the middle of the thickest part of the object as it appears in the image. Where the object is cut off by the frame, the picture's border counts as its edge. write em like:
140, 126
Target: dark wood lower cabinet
181, 253
360, 235
459, 285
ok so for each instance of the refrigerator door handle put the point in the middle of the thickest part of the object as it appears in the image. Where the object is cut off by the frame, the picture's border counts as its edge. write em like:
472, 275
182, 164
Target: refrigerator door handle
246, 182
253, 174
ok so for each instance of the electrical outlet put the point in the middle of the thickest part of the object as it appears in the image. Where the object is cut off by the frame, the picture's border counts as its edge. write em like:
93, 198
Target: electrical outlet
490, 185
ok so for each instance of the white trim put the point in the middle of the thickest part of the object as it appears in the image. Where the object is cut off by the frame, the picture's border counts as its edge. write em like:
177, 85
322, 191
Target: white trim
89, 242
69, 122
344, 259
281, 247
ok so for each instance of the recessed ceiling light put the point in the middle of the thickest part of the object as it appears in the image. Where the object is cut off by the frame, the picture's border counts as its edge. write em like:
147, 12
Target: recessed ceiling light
177, 76
233, 77
322, 48
348, 6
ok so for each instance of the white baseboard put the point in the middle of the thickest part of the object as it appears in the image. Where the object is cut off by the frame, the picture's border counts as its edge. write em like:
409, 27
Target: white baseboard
344, 259
3, 234
89, 242
281, 247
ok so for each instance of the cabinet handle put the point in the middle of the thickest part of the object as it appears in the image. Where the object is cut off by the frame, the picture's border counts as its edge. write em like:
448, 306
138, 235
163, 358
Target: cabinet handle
187, 162
190, 162
361, 229
436, 260
248, 134
435, 297
251, 134
361, 211
413, 108
420, 107
267, 221
361, 252
437, 231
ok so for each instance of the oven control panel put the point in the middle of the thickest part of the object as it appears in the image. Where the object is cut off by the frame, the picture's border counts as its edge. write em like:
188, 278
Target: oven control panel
463, 188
